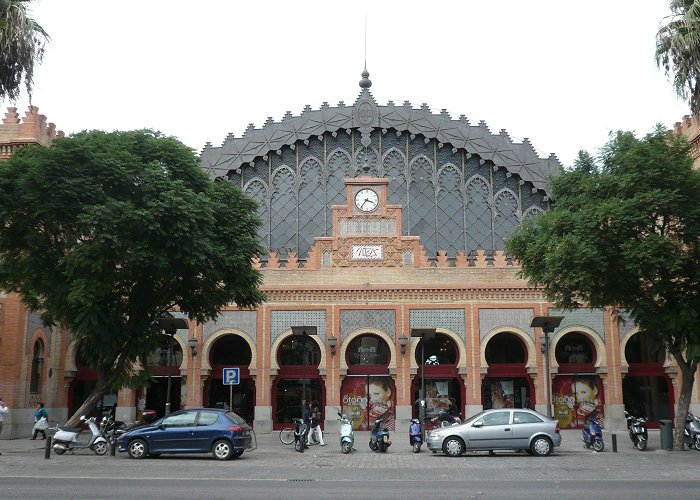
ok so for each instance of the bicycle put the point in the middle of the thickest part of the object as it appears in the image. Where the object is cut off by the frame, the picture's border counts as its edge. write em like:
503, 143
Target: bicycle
287, 435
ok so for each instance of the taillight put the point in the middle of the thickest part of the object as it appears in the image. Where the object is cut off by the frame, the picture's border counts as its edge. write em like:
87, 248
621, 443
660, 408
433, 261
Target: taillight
235, 428
556, 429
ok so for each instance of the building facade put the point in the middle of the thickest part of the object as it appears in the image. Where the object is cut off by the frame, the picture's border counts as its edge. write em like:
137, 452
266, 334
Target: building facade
387, 283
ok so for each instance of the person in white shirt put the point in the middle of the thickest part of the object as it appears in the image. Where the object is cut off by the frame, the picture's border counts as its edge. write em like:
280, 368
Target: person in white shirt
3, 411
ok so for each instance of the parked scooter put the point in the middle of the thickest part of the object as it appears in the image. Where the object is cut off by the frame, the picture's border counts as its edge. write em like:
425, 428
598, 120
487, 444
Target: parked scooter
379, 437
66, 439
592, 435
301, 431
691, 433
415, 435
347, 435
637, 427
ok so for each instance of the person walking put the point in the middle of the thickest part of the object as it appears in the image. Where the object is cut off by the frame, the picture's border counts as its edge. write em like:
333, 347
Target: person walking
315, 424
41, 417
4, 410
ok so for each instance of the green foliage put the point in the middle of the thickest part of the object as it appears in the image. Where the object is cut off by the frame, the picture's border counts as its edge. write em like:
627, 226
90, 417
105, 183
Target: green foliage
104, 232
22, 42
624, 232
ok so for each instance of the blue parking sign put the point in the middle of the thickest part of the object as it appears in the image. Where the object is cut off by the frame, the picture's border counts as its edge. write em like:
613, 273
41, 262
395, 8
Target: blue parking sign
232, 376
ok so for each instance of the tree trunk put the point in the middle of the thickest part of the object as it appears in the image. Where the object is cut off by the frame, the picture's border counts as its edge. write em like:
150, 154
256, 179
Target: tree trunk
688, 379
103, 384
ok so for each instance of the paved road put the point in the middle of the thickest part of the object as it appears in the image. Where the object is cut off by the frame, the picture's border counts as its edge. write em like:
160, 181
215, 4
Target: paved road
276, 471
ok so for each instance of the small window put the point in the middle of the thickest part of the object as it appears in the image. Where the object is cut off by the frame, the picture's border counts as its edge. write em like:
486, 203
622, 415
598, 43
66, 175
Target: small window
207, 418
496, 418
180, 420
522, 417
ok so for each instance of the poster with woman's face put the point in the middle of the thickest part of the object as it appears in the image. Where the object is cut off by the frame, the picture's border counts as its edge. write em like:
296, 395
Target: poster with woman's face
576, 397
354, 401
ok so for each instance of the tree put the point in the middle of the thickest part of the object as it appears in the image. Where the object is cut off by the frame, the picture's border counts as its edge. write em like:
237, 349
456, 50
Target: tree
22, 42
625, 233
104, 232
678, 50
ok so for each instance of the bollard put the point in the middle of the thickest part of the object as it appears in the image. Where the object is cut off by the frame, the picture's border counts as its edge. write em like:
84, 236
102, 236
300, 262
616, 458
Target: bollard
47, 448
614, 441
112, 448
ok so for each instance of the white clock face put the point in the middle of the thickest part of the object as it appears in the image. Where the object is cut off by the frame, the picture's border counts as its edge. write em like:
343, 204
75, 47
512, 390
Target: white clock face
366, 200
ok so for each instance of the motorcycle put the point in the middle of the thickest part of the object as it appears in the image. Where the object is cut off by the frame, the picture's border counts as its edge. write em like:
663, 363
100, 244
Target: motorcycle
637, 427
347, 435
301, 431
379, 437
592, 435
66, 439
691, 432
113, 429
415, 435
444, 419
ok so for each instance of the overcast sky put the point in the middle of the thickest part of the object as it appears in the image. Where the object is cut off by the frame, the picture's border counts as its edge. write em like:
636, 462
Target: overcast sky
560, 73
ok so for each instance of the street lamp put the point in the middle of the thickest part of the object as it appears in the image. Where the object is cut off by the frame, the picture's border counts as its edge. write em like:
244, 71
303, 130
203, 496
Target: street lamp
170, 326
422, 333
547, 324
303, 332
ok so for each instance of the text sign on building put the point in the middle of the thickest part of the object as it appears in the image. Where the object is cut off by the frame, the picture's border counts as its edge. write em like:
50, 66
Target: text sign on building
367, 252
232, 376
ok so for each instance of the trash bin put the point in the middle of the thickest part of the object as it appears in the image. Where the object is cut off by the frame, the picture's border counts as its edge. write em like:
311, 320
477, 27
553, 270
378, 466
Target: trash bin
666, 434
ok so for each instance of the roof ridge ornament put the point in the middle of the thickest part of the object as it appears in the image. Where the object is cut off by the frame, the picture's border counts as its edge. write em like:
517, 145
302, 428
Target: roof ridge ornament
365, 83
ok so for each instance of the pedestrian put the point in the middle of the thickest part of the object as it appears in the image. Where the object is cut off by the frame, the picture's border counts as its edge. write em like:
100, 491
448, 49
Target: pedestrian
315, 424
41, 419
3, 411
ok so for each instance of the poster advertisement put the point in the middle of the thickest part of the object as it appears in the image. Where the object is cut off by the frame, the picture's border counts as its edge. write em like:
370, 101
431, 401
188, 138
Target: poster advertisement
575, 397
366, 398
500, 393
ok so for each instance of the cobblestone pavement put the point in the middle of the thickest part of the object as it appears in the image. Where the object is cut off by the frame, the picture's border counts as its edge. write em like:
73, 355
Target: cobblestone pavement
276, 461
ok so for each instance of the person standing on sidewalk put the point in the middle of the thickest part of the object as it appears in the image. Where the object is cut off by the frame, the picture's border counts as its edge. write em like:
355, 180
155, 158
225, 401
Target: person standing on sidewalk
316, 424
3, 411
40, 425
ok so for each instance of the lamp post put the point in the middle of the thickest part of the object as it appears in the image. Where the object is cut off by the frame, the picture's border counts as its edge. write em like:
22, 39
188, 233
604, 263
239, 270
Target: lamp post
170, 326
547, 324
303, 332
422, 333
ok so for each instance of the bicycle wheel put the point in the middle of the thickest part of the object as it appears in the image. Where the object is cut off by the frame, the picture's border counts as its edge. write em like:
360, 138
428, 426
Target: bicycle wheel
287, 435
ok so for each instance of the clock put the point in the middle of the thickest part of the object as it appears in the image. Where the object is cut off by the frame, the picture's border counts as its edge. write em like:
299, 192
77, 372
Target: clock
366, 200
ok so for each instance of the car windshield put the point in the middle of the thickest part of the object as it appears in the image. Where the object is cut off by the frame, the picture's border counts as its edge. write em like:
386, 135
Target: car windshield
233, 417
473, 417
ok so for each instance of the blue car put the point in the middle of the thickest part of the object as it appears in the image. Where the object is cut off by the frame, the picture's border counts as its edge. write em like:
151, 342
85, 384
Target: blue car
196, 430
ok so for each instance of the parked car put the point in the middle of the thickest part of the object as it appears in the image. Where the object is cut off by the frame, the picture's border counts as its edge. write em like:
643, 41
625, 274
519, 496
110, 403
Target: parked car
502, 429
197, 430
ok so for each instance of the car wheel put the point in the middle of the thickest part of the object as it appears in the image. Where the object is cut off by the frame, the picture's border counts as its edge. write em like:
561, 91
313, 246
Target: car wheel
453, 447
99, 448
237, 454
541, 446
137, 449
222, 450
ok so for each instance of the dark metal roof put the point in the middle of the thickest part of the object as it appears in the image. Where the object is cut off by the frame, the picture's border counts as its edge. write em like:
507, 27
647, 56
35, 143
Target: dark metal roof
518, 158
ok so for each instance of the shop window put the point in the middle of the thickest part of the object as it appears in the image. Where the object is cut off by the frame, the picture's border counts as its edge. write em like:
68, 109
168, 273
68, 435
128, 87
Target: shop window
289, 395
505, 348
647, 396
643, 348
442, 395
368, 350
506, 393
230, 350
575, 348
37, 362
438, 351
299, 351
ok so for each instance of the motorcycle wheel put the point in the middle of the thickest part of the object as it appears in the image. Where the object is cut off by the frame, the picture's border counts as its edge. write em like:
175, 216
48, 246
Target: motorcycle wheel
598, 445
99, 448
59, 451
346, 447
373, 446
641, 444
299, 446
697, 443
416, 447
381, 447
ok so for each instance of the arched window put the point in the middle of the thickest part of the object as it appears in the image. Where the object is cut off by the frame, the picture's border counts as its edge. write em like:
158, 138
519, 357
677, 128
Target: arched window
158, 358
575, 348
368, 350
299, 351
37, 362
438, 351
643, 348
505, 348
230, 350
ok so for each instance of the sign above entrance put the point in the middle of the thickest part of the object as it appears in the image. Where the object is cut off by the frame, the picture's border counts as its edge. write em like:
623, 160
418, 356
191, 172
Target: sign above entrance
368, 252
232, 376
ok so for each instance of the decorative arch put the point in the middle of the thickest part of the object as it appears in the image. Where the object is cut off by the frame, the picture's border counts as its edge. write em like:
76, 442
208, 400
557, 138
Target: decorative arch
521, 334
669, 361
274, 365
461, 348
590, 334
39, 333
364, 331
211, 340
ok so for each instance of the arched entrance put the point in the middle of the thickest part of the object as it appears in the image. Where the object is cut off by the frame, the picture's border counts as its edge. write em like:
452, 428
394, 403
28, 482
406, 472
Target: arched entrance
231, 351
368, 392
577, 391
647, 389
507, 383
299, 379
444, 389
157, 365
